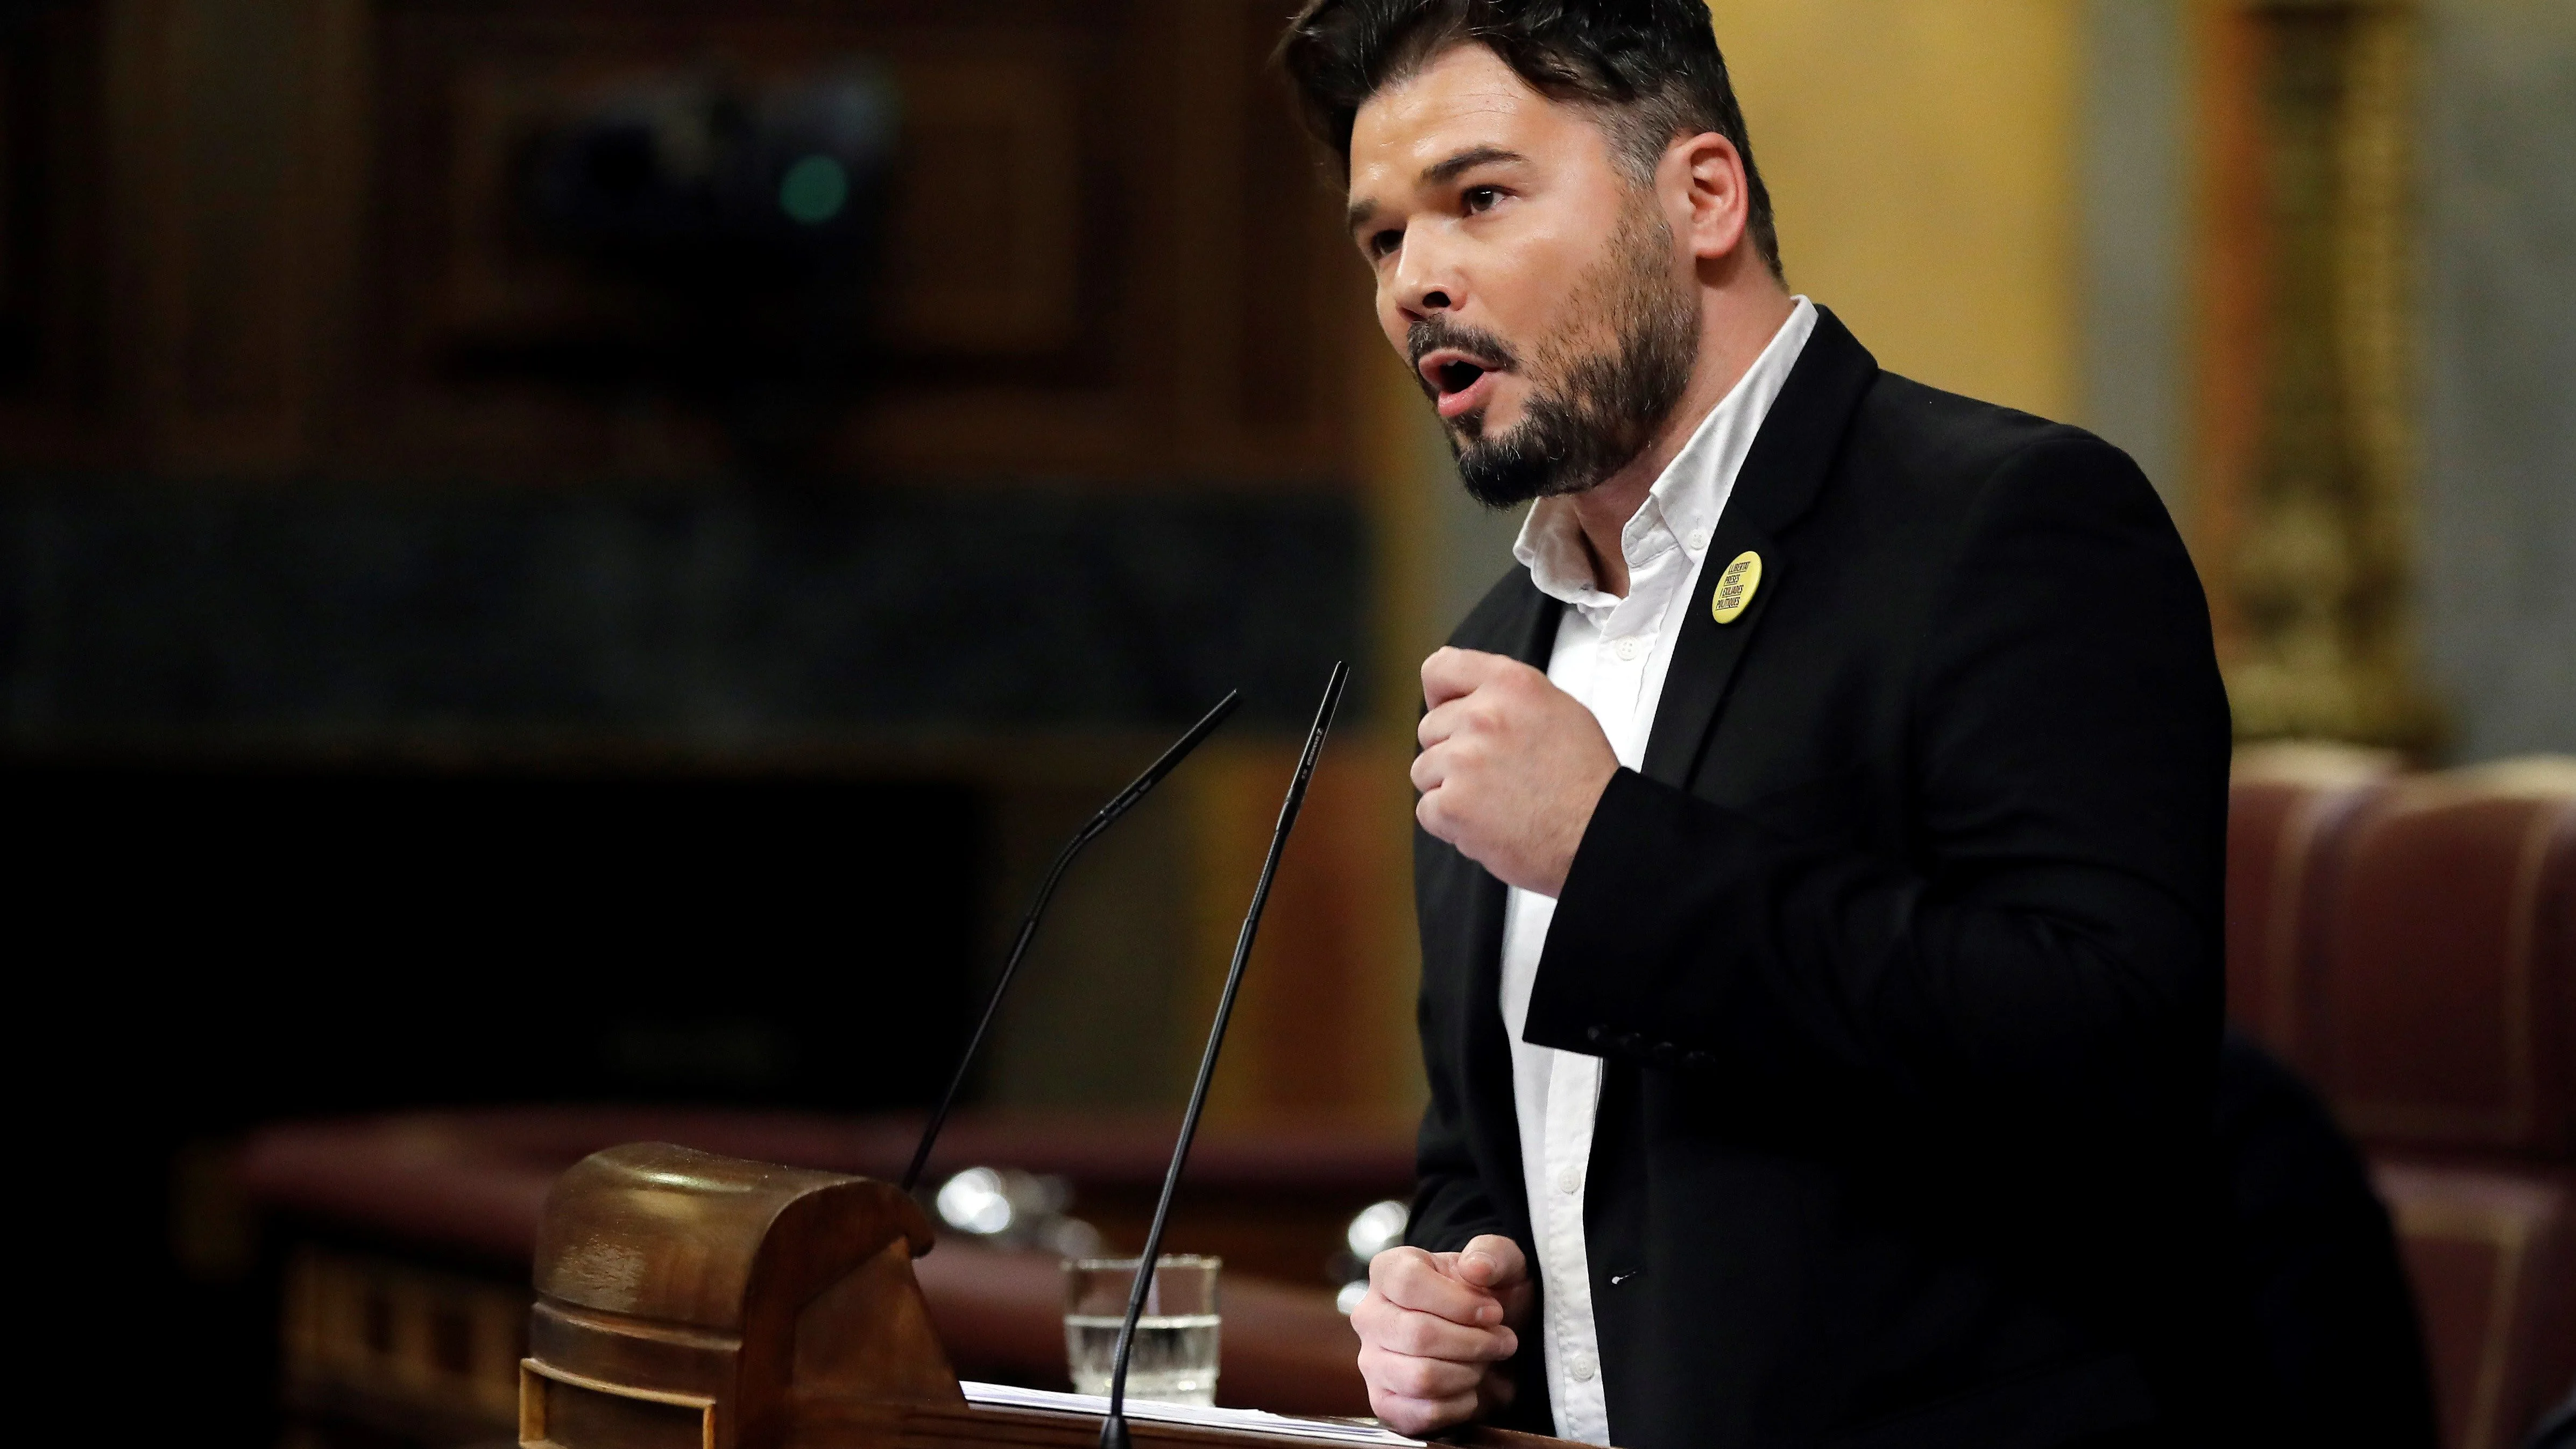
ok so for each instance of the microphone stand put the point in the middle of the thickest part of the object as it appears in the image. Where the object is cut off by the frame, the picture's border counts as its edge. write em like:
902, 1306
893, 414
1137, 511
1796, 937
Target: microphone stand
1113, 1429
1107, 815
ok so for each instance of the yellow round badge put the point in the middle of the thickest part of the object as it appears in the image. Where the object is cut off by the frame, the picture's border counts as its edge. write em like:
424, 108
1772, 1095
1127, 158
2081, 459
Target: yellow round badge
1735, 587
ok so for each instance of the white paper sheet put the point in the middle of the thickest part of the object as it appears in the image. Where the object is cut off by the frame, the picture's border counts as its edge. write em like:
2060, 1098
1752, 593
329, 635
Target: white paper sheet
1321, 1431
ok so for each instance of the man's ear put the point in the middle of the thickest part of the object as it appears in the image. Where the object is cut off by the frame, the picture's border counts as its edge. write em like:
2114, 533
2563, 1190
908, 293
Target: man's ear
1716, 204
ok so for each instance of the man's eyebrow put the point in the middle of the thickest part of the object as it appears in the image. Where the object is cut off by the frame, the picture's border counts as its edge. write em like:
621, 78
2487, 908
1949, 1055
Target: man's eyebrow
1438, 173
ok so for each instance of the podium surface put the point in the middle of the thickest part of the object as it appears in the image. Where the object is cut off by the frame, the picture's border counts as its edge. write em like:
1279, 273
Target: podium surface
687, 1300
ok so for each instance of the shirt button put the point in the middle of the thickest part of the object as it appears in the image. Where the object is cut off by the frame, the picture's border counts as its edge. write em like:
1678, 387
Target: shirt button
1568, 1180
1580, 1368
1698, 539
1626, 648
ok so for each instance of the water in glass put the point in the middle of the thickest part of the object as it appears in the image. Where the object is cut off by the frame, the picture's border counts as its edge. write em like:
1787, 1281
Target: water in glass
1174, 1358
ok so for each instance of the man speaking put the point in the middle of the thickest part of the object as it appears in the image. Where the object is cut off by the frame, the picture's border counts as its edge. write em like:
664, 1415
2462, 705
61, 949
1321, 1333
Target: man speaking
1819, 875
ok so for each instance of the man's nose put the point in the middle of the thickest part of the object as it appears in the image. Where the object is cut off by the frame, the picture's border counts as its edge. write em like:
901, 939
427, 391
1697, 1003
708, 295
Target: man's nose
1425, 280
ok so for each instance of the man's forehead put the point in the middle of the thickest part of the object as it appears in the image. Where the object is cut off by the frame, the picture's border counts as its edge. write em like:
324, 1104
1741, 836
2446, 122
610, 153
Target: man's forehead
1465, 99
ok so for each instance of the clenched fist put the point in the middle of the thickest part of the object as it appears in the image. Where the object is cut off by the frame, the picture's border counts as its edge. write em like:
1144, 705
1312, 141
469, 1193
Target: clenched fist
1511, 767
1435, 1328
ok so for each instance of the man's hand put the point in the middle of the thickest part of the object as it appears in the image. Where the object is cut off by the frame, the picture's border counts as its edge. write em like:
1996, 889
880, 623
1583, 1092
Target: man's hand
1433, 1329
1511, 767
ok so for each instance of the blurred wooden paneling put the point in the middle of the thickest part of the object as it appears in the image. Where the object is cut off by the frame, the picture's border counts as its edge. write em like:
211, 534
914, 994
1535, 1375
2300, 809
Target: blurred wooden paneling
986, 265
1323, 1030
233, 133
2304, 413
51, 329
1107, 259
987, 255
1113, 266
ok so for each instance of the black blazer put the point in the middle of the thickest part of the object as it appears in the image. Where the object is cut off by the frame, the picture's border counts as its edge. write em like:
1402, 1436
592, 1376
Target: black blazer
1902, 953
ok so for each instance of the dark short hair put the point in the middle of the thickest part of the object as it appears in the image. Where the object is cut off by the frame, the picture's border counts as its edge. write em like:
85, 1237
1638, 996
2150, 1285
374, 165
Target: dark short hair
1651, 68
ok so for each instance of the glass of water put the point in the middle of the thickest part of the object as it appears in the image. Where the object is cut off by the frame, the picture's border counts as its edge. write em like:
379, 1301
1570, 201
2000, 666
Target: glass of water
1174, 1357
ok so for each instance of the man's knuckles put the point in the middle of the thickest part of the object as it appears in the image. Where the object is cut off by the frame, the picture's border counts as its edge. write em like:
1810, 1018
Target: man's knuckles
1420, 1378
1410, 1334
1425, 772
1421, 1417
1432, 817
1398, 1268
1370, 1318
1419, 1284
1454, 724
1428, 1335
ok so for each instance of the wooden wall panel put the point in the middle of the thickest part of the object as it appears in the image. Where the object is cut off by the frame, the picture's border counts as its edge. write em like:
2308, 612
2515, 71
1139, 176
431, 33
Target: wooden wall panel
13, 144
1104, 262
1323, 1029
986, 265
1113, 268
232, 135
985, 257
51, 319
987, 229
1074, 245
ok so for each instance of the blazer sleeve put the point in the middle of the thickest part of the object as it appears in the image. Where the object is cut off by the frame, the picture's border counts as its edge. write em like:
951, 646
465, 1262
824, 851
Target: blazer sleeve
1451, 1203
2048, 940
1451, 1206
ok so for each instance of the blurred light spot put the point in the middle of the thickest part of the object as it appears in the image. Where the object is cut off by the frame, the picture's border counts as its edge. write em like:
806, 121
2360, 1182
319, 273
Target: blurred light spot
814, 190
1379, 1226
1074, 1238
1350, 1296
973, 1202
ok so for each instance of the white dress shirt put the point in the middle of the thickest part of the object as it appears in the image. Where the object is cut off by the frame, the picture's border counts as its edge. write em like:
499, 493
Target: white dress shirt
1612, 654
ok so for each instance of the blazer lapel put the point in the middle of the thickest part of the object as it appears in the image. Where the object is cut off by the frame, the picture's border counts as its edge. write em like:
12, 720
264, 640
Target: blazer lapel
1534, 632
1525, 628
1781, 474
1531, 639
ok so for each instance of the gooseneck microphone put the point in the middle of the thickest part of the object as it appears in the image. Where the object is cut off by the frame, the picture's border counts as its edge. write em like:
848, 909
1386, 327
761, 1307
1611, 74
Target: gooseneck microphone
1113, 1429
1108, 814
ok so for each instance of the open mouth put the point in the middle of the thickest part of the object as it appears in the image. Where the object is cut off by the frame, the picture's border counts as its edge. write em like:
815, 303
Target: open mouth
1458, 381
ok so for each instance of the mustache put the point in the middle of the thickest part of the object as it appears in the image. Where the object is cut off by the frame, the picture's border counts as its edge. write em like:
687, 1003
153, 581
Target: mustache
1435, 332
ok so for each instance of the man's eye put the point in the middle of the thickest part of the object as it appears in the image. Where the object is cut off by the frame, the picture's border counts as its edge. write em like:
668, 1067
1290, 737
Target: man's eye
1384, 243
1482, 198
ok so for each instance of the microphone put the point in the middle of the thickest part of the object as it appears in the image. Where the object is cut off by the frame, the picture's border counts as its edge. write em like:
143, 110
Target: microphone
1108, 814
1113, 1429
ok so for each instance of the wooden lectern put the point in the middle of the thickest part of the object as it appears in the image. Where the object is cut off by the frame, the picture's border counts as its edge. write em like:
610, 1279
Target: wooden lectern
691, 1301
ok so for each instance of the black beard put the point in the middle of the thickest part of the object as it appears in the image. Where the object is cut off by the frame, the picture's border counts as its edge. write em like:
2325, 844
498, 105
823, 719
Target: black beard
1598, 413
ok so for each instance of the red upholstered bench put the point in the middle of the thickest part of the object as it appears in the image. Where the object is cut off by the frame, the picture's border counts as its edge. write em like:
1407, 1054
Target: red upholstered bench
2493, 1258
2408, 942
2287, 809
2445, 966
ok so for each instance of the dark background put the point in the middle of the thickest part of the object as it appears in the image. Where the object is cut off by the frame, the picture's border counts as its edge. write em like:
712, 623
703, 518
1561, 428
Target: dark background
496, 605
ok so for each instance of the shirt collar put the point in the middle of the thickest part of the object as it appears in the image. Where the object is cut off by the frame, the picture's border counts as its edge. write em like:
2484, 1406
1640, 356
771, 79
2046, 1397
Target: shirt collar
1683, 507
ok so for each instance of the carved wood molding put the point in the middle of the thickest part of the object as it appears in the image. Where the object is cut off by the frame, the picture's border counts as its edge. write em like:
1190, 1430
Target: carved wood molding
2305, 412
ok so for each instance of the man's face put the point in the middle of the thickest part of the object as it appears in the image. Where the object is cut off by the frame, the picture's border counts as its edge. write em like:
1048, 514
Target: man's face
1534, 287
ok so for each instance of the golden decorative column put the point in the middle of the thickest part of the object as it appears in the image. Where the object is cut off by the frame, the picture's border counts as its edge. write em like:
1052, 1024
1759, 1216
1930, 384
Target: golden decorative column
2304, 403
